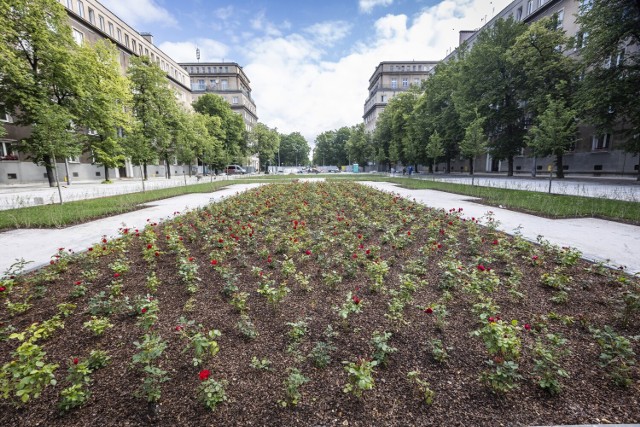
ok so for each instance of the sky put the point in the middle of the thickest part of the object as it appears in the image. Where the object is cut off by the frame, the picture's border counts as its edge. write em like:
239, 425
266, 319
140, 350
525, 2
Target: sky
309, 61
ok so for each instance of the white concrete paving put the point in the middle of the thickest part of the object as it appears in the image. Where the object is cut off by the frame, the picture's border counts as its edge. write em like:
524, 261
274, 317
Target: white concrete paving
38, 245
615, 243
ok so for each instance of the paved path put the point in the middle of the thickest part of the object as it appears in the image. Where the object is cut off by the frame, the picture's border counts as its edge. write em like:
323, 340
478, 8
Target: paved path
596, 239
612, 242
607, 188
38, 245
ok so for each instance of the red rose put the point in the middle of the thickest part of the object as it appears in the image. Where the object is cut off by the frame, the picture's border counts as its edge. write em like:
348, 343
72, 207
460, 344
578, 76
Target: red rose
368, 251
214, 262
75, 360
204, 374
78, 282
190, 259
90, 249
527, 327
157, 253
179, 328
428, 310
149, 246
491, 320
308, 252
116, 275
144, 310
495, 242
535, 257
355, 299
408, 233
481, 267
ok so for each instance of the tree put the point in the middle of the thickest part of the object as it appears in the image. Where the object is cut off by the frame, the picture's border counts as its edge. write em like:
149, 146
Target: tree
359, 145
434, 149
234, 137
491, 86
294, 149
37, 76
401, 108
609, 94
264, 142
103, 107
474, 143
556, 132
384, 154
153, 107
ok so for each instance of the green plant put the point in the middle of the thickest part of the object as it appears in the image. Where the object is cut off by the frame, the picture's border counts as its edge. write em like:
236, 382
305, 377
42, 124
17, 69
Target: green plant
359, 376
376, 270
260, 364
438, 350
292, 384
203, 344
629, 301
246, 327
352, 304
500, 338
212, 393
66, 309
28, 374
239, 301
320, 354
381, 347
547, 368
617, 356
153, 282
332, 279
15, 308
423, 386
502, 376
73, 396
98, 359
150, 349
297, 330
98, 325
274, 295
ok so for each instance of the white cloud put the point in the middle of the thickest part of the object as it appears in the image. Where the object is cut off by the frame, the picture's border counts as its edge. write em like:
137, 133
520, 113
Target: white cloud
297, 89
367, 6
210, 50
224, 13
140, 12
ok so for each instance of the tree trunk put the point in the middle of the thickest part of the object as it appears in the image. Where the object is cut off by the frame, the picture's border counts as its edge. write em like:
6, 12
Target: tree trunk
166, 164
510, 171
448, 165
471, 166
190, 169
49, 169
559, 166
431, 166
144, 170
106, 173
638, 178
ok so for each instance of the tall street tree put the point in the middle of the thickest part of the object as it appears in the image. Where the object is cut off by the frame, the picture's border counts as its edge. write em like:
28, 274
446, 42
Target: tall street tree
37, 72
609, 94
359, 146
153, 106
474, 143
294, 149
264, 142
491, 86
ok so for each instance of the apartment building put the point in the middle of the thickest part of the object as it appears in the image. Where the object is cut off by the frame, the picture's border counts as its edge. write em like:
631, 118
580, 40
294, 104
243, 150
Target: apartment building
593, 153
225, 79
91, 21
389, 79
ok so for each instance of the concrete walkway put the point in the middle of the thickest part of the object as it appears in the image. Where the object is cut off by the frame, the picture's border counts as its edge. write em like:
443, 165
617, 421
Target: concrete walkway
38, 245
615, 243
612, 242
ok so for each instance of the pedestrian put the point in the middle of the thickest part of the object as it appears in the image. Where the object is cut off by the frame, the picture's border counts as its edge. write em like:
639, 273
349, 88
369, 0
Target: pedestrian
404, 170
410, 170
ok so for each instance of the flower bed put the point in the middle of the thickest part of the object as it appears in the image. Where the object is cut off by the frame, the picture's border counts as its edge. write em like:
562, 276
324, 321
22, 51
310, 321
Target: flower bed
319, 304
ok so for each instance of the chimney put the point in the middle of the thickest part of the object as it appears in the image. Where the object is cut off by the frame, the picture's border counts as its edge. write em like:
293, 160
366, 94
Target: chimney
148, 37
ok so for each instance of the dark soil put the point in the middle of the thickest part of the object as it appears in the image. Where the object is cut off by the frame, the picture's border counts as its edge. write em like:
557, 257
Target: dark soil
334, 215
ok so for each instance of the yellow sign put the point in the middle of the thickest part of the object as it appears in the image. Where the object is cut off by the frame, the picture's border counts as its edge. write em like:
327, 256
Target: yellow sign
549, 168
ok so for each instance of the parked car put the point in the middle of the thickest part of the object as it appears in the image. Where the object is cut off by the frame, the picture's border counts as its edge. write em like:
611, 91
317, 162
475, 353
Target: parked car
333, 169
234, 170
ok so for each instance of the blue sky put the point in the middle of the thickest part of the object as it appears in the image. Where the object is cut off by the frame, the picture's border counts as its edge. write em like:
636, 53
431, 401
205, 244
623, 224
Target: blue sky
309, 62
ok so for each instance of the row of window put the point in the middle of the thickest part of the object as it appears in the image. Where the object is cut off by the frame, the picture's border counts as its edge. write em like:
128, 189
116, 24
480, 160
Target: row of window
411, 68
214, 84
117, 34
207, 70
405, 83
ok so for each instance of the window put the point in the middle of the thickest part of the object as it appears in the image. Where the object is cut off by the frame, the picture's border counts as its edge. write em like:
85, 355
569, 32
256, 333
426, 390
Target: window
146, 51
582, 40
110, 29
529, 7
619, 59
4, 116
585, 6
7, 151
75, 159
559, 18
80, 9
92, 17
200, 84
78, 37
133, 46
405, 82
126, 40
101, 21
394, 84
601, 142
519, 14
224, 83
234, 100
383, 98
70, 4
119, 33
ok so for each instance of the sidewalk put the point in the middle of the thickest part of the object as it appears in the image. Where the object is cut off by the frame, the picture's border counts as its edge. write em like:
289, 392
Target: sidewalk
615, 243
38, 245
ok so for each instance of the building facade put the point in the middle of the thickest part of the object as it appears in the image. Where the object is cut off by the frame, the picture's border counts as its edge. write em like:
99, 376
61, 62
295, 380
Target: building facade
594, 153
90, 21
225, 79
389, 79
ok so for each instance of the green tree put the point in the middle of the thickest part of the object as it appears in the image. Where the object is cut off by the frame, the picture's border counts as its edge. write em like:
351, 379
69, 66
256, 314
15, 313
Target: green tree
265, 143
608, 97
384, 153
294, 149
103, 107
491, 85
37, 73
474, 143
359, 146
401, 108
434, 149
555, 133
154, 105
234, 136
